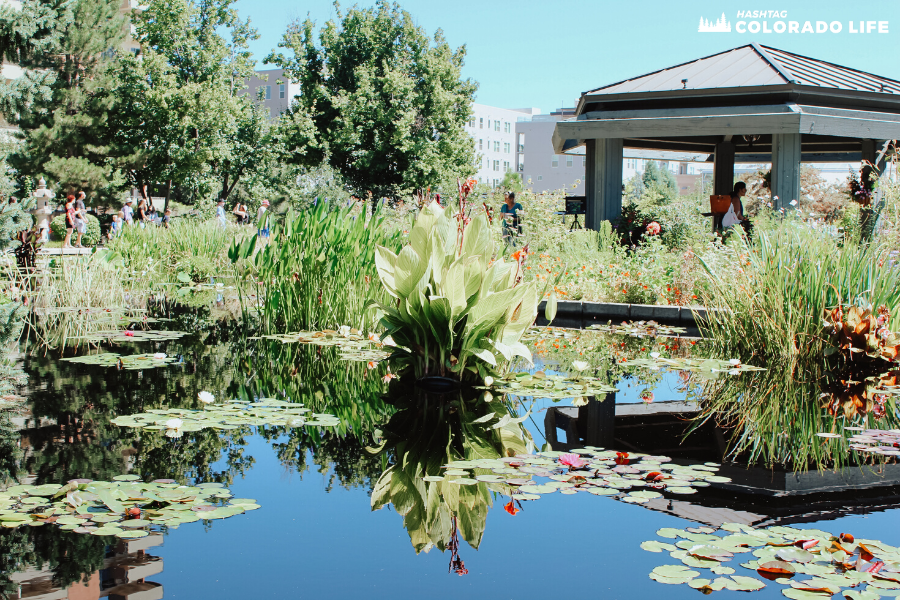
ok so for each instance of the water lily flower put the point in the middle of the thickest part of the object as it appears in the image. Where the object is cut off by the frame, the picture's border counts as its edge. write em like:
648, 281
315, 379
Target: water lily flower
371, 364
573, 461
793, 203
388, 377
174, 424
580, 365
647, 397
510, 507
344, 330
389, 341
206, 397
159, 355
654, 355
129, 333
488, 381
735, 361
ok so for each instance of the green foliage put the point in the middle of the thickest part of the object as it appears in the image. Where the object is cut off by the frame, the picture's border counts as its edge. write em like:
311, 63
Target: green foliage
183, 121
66, 137
658, 185
91, 236
13, 219
315, 272
454, 301
380, 102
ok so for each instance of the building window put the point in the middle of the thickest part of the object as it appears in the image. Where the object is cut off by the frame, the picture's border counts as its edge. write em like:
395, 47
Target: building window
569, 161
506, 166
480, 122
496, 183
268, 92
554, 162
496, 125
481, 144
281, 90
496, 146
521, 166
540, 177
496, 165
506, 148
521, 142
507, 127
472, 122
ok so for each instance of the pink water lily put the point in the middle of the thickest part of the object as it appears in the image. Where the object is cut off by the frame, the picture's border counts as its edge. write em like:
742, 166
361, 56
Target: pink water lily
572, 460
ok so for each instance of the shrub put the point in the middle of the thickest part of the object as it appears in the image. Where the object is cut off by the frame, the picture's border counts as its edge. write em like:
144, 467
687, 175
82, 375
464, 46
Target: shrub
91, 236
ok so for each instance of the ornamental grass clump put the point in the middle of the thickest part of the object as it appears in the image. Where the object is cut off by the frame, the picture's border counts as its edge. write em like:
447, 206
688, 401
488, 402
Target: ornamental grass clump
457, 311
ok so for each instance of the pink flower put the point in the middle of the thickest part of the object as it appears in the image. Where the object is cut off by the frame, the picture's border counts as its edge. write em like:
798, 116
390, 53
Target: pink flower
572, 461
653, 228
129, 333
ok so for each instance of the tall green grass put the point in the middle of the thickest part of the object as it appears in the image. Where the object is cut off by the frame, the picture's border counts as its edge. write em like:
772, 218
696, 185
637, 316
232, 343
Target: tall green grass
317, 270
766, 308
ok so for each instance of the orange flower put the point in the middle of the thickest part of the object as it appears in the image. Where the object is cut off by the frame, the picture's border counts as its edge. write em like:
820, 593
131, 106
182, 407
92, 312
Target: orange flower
510, 507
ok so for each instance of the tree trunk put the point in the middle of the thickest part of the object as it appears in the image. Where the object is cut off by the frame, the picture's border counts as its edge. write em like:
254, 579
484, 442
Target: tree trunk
168, 193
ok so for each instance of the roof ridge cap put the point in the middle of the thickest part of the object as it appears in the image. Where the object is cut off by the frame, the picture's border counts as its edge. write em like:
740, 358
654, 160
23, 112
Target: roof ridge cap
780, 69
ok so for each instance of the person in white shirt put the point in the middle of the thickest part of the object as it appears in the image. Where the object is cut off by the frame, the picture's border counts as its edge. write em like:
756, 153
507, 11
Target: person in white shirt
262, 220
128, 212
735, 214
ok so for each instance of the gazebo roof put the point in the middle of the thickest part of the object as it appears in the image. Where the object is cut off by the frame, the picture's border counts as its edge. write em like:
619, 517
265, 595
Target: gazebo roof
753, 65
747, 93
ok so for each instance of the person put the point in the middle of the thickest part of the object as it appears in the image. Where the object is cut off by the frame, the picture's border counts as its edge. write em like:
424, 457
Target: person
152, 216
142, 212
70, 220
167, 216
735, 214
240, 212
128, 212
113, 227
80, 219
262, 220
220, 213
509, 212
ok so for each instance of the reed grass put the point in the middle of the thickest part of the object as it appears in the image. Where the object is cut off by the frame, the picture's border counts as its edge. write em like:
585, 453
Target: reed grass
317, 270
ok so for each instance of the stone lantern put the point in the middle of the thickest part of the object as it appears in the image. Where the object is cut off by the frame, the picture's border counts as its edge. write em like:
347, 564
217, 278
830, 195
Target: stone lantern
42, 210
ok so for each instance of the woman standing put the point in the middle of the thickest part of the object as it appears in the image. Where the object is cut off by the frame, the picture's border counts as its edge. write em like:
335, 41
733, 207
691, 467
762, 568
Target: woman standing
70, 220
80, 219
240, 212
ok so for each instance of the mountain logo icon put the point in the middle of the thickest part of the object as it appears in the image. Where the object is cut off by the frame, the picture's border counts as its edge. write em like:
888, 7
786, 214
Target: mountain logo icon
720, 26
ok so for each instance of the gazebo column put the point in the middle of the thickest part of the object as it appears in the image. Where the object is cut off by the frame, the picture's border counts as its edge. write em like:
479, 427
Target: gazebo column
785, 169
602, 181
723, 168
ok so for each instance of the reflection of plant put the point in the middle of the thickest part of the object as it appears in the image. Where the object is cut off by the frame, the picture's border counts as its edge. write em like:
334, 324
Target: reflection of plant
428, 432
454, 302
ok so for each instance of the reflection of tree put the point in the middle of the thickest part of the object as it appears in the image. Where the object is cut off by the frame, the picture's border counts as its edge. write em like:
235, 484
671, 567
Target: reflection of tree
71, 437
323, 382
426, 433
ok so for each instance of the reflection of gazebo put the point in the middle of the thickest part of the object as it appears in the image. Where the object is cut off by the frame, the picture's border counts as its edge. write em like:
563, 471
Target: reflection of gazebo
749, 104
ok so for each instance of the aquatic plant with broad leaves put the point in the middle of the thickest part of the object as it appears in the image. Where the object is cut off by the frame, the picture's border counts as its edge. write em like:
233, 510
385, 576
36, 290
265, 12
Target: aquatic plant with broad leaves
810, 564
458, 310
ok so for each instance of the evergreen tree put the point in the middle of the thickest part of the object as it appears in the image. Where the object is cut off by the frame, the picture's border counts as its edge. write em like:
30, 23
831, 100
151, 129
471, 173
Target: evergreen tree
382, 103
659, 185
66, 139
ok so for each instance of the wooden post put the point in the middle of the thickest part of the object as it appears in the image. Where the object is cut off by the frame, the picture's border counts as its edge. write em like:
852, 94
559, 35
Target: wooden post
723, 168
603, 181
599, 420
785, 169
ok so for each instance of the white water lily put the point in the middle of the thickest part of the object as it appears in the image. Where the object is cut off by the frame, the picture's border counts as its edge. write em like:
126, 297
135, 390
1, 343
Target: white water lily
344, 330
206, 397
159, 355
173, 433
580, 365
389, 341
734, 361
654, 355
488, 381
174, 424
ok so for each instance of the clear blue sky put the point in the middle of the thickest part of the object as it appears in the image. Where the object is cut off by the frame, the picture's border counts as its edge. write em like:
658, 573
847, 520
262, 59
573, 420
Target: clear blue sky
545, 54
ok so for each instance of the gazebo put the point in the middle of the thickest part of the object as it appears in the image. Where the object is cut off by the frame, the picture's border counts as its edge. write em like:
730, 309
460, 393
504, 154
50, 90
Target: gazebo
753, 104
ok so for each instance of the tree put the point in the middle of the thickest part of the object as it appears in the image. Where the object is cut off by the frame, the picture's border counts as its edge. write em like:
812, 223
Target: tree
379, 102
66, 137
659, 185
32, 29
183, 120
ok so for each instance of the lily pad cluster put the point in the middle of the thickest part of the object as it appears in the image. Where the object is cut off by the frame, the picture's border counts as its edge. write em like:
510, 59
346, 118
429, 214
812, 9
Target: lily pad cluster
134, 335
808, 563
231, 415
555, 387
351, 344
131, 362
885, 442
125, 507
635, 478
708, 367
640, 329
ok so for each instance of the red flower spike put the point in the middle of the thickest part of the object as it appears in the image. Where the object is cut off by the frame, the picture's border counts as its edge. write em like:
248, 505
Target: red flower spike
510, 507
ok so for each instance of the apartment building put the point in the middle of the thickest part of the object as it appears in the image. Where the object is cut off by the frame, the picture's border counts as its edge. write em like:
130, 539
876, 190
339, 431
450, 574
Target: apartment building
273, 90
493, 132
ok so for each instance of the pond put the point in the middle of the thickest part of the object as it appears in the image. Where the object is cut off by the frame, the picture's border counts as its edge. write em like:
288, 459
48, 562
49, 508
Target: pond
304, 524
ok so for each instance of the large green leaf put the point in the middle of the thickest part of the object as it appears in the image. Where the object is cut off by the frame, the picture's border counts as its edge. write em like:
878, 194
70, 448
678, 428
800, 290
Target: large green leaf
408, 271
